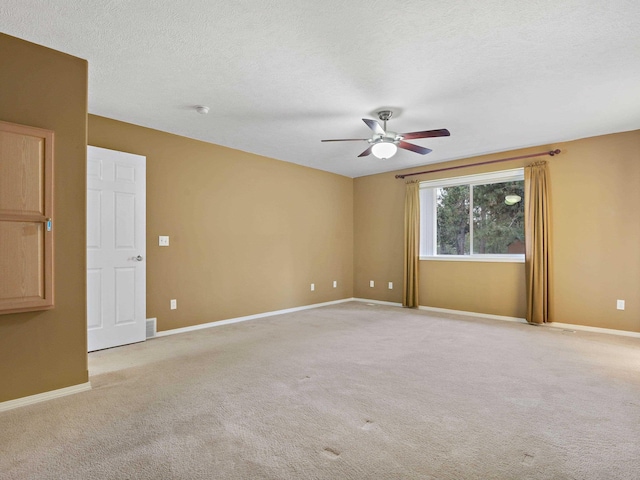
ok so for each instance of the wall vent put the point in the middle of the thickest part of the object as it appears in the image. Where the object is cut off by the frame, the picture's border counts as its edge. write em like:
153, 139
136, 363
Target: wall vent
151, 327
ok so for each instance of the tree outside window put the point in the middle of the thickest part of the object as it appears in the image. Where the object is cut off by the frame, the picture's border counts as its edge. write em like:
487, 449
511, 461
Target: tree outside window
483, 216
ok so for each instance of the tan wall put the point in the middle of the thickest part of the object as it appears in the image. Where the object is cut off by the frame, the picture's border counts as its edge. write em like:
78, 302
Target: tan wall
595, 229
596, 232
248, 234
496, 288
44, 351
378, 236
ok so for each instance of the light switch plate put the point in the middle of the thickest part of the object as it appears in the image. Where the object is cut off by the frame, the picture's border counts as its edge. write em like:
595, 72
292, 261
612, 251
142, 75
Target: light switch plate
163, 240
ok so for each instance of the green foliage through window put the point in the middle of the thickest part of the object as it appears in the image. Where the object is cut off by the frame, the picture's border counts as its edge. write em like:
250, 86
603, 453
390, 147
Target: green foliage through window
453, 220
498, 227
475, 218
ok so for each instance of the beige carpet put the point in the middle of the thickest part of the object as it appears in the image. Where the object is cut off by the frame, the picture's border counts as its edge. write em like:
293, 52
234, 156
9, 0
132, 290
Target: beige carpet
351, 391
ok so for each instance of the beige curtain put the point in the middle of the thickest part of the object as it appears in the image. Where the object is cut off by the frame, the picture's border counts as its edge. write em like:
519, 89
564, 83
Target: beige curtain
536, 218
411, 245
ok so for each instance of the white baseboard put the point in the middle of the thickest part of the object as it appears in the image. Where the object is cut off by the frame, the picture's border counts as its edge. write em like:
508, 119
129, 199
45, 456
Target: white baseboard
394, 304
473, 314
585, 328
219, 323
43, 397
567, 326
378, 302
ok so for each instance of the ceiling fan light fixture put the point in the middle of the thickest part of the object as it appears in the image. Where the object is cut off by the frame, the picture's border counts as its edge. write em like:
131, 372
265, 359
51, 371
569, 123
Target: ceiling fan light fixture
384, 150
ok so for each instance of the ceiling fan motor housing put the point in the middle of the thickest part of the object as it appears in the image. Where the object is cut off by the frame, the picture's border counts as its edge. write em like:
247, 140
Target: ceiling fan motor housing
391, 137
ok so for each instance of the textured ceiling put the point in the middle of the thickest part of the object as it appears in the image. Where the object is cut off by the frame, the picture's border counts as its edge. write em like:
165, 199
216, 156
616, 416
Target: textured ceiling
281, 75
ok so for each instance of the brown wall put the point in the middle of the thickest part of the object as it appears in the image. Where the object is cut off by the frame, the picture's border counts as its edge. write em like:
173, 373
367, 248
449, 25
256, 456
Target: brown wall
595, 228
248, 234
44, 351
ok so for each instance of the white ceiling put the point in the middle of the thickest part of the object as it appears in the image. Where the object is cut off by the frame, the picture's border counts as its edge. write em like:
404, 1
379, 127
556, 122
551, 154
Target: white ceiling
280, 76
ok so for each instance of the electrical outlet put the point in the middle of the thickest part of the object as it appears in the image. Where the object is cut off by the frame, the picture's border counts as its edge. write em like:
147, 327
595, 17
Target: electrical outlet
335, 284
313, 287
390, 285
163, 240
174, 304
371, 283
620, 304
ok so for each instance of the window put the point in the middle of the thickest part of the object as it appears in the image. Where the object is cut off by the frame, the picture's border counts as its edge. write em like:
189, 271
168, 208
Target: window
476, 217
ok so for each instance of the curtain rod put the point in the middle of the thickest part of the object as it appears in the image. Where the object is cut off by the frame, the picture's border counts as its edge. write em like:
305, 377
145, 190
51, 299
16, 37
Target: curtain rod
550, 153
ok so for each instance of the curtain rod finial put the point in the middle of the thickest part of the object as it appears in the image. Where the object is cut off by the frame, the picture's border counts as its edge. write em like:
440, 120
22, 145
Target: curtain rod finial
554, 152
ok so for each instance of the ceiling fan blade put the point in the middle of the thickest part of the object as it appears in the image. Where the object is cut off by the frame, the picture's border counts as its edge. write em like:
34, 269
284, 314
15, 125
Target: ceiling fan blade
443, 132
414, 148
366, 152
347, 140
373, 125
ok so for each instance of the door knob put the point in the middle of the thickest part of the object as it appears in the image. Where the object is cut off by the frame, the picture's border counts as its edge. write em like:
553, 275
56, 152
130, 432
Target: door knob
139, 258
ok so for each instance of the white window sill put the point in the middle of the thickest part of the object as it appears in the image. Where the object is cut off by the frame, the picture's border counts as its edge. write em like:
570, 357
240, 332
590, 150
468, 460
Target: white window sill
476, 258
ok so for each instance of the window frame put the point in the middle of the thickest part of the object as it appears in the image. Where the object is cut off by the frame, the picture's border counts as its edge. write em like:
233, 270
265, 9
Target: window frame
428, 221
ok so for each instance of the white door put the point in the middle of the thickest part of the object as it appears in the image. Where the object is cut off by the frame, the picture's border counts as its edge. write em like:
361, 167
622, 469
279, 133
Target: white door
116, 248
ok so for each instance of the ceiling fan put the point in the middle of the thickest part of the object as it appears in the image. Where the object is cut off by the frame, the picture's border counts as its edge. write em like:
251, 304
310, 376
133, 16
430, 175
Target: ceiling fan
384, 144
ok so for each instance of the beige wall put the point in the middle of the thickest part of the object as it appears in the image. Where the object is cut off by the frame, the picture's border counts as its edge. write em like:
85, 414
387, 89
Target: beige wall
496, 288
596, 232
595, 229
44, 351
248, 234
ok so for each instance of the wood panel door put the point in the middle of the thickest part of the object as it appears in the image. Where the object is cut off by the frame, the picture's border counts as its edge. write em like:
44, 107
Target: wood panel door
116, 248
26, 218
